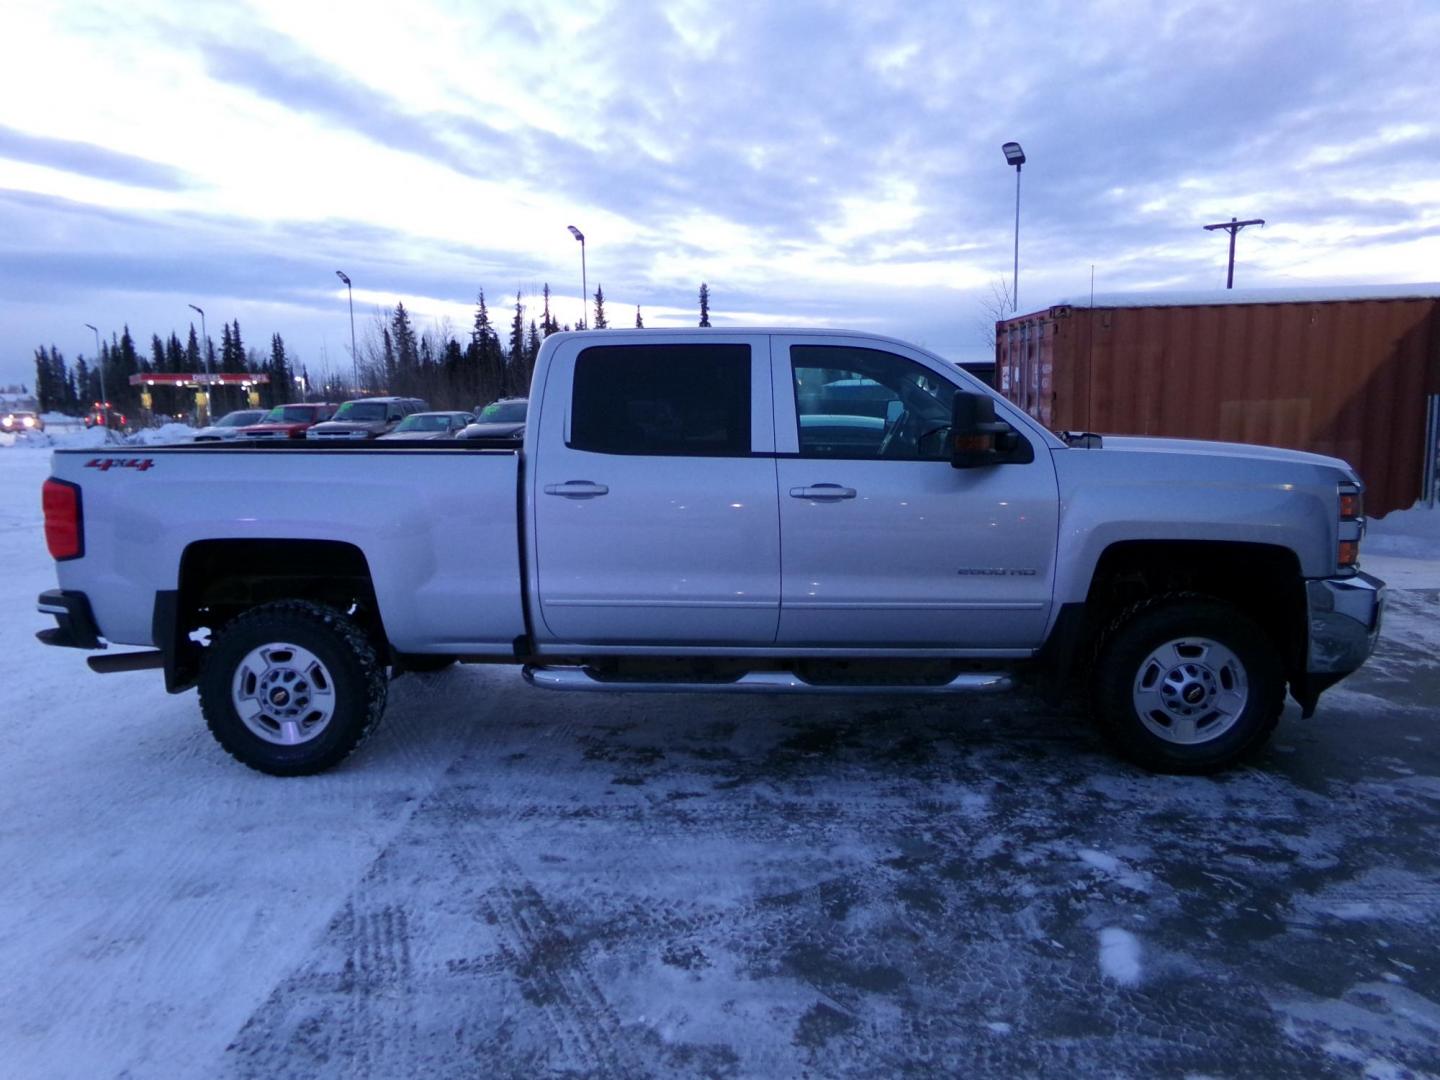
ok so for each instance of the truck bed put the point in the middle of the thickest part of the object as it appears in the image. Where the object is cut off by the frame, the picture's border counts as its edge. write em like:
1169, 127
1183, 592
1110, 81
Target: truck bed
435, 520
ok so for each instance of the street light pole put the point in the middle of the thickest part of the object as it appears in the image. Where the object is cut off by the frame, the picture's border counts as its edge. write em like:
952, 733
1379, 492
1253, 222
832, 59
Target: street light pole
1015, 156
354, 360
584, 283
1232, 227
100, 367
205, 352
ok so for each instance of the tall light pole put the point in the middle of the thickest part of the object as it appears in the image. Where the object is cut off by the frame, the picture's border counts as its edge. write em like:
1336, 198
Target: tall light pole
584, 284
100, 367
1015, 156
205, 352
1232, 227
354, 361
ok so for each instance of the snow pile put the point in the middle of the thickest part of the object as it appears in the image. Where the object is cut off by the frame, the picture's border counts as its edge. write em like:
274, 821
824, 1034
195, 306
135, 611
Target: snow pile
1120, 956
75, 437
166, 433
1414, 533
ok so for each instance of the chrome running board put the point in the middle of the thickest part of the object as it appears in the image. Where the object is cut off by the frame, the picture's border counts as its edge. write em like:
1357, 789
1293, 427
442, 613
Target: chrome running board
757, 682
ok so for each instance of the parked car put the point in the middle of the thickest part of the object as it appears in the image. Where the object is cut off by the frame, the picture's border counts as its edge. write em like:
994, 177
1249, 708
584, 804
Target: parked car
289, 421
503, 419
106, 415
21, 421
367, 418
431, 425
229, 425
672, 524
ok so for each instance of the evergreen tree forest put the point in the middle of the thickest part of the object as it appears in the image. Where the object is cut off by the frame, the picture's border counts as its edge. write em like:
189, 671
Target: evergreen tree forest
393, 356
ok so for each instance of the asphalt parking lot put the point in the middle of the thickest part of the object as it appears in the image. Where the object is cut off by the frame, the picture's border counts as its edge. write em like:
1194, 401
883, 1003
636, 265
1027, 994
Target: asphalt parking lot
642, 886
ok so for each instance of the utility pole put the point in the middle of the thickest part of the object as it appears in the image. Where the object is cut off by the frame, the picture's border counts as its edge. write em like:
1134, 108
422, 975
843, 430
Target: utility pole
1232, 227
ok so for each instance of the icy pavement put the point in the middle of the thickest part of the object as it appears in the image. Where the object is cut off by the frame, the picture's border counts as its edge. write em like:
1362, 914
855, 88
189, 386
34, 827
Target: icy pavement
509, 883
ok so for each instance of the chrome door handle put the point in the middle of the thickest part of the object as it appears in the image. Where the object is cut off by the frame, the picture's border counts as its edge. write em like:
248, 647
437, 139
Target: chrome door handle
577, 489
829, 492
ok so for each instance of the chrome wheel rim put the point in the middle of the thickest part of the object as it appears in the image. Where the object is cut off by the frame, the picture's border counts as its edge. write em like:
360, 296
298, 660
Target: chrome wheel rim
1190, 691
283, 694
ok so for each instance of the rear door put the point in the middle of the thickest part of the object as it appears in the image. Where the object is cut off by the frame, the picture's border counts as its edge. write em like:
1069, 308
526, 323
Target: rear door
885, 544
654, 491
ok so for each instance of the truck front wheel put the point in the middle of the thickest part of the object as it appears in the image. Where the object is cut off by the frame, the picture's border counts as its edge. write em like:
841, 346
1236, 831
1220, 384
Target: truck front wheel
1188, 685
291, 688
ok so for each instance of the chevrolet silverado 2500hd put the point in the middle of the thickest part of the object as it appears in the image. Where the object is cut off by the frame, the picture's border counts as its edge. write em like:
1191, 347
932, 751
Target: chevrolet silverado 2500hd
729, 511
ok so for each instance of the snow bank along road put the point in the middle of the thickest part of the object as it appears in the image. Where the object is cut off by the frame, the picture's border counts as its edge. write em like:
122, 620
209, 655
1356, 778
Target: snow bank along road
512, 883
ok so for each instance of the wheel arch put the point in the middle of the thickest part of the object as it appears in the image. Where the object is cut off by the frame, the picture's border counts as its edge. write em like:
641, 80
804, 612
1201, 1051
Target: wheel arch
1262, 580
221, 579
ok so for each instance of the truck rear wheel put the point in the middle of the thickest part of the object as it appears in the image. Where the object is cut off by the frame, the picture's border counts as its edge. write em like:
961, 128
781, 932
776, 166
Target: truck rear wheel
1188, 685
291, 688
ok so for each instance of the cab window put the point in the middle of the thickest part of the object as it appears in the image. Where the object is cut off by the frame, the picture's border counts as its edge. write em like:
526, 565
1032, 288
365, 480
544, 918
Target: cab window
867, 403
666, 400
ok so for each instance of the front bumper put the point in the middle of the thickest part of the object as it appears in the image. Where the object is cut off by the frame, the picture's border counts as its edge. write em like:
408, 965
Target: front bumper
75, 623
1344, 620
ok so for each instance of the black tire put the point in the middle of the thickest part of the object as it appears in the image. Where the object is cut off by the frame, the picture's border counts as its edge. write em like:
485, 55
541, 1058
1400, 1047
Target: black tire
423, 663
317, 663
1187, 684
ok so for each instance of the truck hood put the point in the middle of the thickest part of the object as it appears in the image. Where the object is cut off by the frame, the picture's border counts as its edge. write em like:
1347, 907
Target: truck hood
1144, 444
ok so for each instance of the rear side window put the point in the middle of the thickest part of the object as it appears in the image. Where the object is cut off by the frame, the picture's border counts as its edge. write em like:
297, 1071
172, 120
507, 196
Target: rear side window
665, 400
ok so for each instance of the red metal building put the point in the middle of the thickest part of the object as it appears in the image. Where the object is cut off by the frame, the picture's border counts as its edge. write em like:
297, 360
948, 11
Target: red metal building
1349, 372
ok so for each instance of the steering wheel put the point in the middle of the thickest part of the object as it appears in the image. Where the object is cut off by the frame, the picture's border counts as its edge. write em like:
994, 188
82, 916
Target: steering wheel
891, 431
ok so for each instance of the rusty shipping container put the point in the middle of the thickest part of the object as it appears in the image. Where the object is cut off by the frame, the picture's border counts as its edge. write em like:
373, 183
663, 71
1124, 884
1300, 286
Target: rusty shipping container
1346, 372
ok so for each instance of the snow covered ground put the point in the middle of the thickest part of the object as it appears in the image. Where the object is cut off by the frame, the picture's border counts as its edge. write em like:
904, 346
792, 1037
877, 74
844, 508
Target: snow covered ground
511, 883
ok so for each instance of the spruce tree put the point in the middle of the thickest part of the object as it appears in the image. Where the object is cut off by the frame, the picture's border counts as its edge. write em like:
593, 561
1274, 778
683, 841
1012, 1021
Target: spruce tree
548, 323
87, 387
278, 368
704, 304
174, 354
517, 336
193, 363
44, 393
600, 323
125, 362
407, 351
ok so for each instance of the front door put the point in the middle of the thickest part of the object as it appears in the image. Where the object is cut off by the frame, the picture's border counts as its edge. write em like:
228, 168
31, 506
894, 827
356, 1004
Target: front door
885, 543
654, 492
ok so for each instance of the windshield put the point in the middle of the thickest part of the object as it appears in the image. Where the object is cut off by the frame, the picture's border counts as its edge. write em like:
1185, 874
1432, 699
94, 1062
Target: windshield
290, 414
240, 419
503, 412
425, 422
362, 411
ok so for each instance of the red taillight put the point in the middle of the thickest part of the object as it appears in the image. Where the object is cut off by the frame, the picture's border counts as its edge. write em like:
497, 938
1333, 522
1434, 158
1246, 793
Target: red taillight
64, 523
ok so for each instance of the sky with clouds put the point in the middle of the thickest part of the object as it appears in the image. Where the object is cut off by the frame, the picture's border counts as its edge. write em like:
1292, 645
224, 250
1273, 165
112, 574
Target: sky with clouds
815, 163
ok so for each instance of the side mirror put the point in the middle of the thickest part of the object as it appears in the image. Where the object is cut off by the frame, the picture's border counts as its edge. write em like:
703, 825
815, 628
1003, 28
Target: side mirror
978, 439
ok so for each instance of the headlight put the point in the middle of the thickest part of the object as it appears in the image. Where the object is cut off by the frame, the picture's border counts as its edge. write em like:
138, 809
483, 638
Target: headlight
29, 421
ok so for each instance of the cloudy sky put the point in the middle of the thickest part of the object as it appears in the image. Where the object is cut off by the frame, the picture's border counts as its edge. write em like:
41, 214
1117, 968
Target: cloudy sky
815, 163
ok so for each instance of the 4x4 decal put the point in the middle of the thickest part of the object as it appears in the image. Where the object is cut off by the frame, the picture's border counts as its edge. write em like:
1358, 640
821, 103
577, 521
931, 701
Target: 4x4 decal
105, 464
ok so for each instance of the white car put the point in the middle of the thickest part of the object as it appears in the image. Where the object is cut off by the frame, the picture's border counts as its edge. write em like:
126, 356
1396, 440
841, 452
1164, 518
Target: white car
228, 426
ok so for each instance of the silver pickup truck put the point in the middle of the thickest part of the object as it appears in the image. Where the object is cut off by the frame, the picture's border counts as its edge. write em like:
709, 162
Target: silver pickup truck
727, 511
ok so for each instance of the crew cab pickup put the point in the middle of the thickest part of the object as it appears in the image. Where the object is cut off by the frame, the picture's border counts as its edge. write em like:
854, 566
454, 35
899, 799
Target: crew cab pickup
727, 511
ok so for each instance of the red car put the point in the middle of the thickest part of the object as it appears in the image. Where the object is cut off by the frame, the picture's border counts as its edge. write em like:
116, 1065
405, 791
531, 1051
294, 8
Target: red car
289, 421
